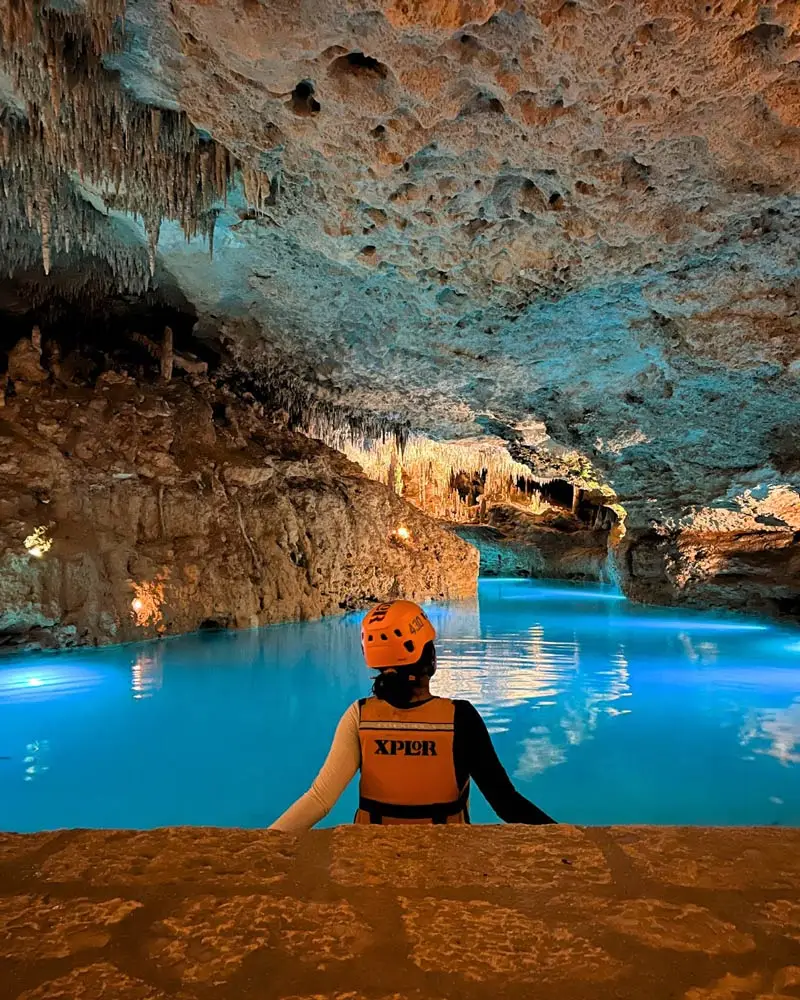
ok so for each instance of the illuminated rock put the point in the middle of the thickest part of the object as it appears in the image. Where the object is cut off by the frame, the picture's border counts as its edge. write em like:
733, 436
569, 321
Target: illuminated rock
162, 516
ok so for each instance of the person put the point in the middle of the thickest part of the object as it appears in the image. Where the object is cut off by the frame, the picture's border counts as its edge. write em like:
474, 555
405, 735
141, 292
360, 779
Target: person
417, 752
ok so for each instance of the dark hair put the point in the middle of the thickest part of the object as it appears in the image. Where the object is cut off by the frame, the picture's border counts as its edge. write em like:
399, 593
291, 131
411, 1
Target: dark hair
398, 684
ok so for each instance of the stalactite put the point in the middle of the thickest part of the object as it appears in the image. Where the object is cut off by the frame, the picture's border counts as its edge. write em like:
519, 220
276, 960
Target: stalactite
155, 119
212, 225
152, 228
79, 122
426, 472
44, 216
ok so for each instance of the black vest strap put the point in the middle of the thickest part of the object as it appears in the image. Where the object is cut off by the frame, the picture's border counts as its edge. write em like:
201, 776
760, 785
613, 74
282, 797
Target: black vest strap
437, 812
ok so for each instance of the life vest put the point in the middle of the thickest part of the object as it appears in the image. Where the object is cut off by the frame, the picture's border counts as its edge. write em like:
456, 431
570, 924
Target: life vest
408, 773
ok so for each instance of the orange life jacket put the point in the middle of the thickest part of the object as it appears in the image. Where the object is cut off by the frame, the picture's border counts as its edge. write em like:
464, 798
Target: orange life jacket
408, 773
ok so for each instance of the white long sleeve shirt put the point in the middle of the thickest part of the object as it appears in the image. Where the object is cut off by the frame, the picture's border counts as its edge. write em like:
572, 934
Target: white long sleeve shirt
341, 764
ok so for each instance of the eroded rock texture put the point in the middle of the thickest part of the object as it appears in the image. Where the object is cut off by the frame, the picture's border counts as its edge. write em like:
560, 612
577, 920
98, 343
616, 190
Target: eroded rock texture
131, 510
570, 223
579, 213
515, 543
747, 570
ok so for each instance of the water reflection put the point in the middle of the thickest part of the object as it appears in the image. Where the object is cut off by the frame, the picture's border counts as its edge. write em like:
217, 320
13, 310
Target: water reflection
34, 681
774, 732
147, 672
502, 672
36, 759
698, 652
603, 712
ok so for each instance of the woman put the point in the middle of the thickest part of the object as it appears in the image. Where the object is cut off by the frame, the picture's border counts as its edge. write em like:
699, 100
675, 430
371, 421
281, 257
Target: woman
417, 753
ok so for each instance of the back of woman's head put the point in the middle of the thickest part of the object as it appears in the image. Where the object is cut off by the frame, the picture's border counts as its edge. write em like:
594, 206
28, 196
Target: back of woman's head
398, 684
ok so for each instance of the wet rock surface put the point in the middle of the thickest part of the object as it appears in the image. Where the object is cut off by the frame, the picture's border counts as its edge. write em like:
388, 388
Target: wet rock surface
699, 914
750, 570
515, 543
130, 510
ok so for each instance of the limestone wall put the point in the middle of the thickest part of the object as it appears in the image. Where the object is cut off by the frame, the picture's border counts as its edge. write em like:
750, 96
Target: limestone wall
553, 546
749, 570
132, 510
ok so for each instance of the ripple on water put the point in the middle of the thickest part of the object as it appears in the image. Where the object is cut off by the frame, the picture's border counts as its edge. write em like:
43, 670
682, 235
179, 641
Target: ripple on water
603, 712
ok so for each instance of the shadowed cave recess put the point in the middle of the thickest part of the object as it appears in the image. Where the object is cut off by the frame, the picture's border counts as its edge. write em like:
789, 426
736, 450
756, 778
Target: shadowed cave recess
306, 306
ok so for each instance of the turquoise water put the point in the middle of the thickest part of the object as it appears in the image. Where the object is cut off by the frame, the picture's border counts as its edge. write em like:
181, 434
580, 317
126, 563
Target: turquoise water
604, 712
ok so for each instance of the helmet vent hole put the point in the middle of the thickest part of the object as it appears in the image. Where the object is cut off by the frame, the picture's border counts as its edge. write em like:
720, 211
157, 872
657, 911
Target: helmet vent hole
384, 637
398, 633
409, 644
370, 638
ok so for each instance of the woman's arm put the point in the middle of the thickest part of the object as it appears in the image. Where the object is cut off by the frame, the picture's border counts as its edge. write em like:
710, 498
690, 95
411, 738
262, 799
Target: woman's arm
344, 759
475, 744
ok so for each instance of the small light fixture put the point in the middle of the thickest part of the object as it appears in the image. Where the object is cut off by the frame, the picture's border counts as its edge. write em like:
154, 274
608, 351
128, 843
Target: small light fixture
137, 604
403, 533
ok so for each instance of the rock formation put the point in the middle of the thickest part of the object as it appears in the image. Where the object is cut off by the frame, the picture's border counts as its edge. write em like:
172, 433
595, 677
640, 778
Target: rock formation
132, 510
748, 569
514, 542
570, 226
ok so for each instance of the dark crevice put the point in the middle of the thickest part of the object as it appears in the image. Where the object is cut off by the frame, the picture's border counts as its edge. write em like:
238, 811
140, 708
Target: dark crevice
88, 338
761, 38
358, 64
482, 104
303, 102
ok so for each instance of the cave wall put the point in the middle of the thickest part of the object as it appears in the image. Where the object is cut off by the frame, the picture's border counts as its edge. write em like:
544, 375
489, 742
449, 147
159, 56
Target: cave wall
518, 543
130, 510
747, 570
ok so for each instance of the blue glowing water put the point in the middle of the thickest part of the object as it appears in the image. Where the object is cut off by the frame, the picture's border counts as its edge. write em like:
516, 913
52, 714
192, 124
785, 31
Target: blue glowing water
603, 712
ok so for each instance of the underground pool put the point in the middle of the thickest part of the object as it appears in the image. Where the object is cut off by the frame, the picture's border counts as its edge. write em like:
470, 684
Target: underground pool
602, 711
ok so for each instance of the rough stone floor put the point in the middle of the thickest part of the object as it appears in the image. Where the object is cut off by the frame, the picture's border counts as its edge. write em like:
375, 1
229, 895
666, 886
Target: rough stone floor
367, 914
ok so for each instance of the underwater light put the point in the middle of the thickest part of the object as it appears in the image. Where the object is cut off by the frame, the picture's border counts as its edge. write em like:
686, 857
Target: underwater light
44, 682
403, 533
588, 594
137, 604
693, 626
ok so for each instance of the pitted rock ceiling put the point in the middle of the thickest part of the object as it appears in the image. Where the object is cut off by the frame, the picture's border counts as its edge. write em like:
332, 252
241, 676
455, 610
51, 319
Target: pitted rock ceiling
574, 224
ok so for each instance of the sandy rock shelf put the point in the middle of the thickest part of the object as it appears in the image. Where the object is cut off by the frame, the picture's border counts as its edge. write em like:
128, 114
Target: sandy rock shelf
362, 914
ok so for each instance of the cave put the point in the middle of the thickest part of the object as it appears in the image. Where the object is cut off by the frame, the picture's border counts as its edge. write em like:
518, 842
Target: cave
471, 305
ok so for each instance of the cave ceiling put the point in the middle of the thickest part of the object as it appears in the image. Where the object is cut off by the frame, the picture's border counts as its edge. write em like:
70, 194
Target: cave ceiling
574, 225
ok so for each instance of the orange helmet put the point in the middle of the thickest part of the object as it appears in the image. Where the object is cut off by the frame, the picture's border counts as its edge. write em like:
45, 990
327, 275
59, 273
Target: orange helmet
394, 634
